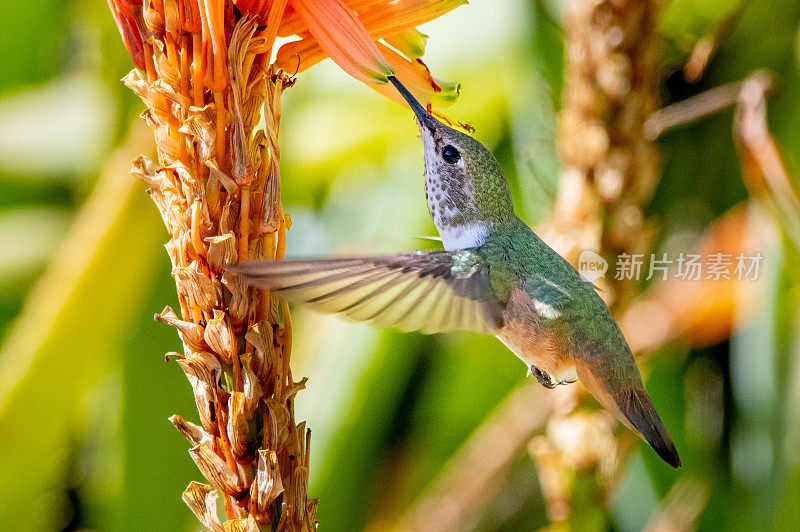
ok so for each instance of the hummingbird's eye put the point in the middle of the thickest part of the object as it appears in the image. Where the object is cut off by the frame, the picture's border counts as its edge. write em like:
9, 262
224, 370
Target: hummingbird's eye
450, 154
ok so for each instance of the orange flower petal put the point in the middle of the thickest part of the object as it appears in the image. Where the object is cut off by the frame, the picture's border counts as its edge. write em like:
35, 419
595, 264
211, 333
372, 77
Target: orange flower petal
343, 37
394, 21
172, 16
293, 24
396, 15
414, 75
126, 23
253, 6
277, 10
297, 56
393, 17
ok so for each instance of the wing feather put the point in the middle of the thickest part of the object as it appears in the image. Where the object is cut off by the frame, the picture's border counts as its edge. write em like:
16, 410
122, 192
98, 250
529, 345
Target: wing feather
432, 292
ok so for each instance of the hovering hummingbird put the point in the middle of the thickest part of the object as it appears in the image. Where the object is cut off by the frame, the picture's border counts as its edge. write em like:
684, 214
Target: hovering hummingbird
495, 275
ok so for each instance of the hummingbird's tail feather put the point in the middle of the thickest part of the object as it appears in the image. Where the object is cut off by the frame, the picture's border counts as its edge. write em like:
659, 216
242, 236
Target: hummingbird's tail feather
637, 407
632, 406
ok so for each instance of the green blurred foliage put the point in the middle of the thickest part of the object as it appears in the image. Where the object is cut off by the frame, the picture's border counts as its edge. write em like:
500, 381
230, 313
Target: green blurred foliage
85, 392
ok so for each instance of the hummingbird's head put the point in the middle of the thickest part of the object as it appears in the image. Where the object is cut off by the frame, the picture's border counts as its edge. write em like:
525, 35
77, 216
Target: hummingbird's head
464, 186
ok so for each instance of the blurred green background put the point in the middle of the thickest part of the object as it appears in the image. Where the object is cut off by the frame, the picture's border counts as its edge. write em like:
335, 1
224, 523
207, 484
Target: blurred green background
84, 390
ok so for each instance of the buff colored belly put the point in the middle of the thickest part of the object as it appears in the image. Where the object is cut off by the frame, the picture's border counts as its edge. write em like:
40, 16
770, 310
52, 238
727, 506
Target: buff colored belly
540, 353
524, 334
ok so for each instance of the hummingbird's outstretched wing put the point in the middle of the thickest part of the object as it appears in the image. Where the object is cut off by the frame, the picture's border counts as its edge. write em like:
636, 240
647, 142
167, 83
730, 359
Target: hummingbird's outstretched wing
433, 291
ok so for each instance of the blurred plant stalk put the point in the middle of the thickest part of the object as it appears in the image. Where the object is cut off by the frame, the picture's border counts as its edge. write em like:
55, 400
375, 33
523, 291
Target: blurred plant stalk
204, 72
609, 172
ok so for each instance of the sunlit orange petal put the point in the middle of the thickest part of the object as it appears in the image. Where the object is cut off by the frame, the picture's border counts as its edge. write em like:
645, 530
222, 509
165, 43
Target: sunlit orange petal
395, 15
297, 56
383, 19
394, 21
293, 24
126, 23
416, 77
277, 11
343, 37
172, 16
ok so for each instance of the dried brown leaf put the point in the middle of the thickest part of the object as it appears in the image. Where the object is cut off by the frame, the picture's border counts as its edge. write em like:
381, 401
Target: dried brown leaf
230, 184
239, 304
252, 387
221, 251
197, 286
242, 525
240, 40
146, 170
200, 124
278, 423
260, 336
300, 492
311, 509
203, 371
289, 392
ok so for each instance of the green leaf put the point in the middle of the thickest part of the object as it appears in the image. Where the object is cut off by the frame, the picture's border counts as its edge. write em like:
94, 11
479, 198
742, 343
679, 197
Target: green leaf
56, 362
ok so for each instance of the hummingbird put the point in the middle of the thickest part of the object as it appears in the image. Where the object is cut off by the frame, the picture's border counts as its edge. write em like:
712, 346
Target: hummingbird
494, 276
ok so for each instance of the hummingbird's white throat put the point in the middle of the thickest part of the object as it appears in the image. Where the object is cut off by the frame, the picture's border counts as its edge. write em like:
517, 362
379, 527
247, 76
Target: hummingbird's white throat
463, 236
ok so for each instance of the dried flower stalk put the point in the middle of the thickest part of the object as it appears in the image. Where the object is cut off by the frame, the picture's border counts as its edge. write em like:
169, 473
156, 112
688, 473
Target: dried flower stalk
610, 169
609, 166
205, 78
213, 103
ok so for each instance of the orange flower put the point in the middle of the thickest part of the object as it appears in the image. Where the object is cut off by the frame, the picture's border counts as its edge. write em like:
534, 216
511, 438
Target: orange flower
337, 30
347, 31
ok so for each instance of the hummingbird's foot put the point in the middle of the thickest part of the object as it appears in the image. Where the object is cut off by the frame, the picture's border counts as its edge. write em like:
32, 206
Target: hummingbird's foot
544, 379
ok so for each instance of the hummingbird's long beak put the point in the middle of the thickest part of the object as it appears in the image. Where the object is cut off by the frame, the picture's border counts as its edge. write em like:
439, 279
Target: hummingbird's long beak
423, 116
